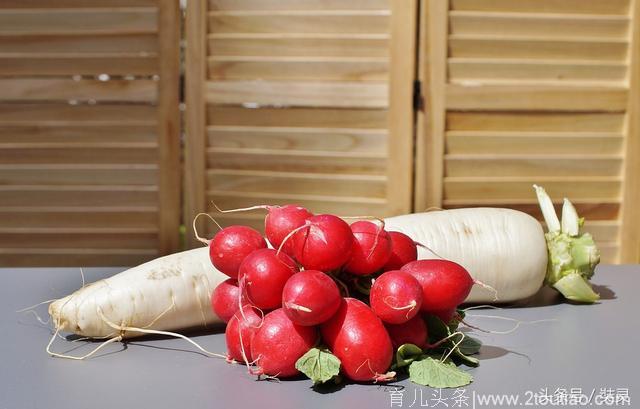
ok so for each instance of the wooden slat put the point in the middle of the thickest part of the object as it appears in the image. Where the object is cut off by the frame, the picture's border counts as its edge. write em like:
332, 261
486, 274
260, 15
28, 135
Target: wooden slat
78, 175
620, 7
298, 4
489, 142
70, 154
536, 97
32, 89
71, 218
304, 183
477, 69
87, 115
307, 94
530, 47
33, 45
43, 257
40, 4
298, 69
31, 195
535, 121
94, 238
603, 230
299, 45
343, 206
598, 210
325, 139
529, 165
78, 65
295, 161
78, 21
609, 252
79, 135
538, 25
473, 188
347, 21
296, 117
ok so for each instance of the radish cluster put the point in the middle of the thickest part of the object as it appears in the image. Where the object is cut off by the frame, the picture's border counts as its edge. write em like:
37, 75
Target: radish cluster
356, 290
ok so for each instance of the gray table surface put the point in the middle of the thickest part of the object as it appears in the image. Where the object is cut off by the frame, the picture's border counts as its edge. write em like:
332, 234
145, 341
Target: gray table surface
582, 346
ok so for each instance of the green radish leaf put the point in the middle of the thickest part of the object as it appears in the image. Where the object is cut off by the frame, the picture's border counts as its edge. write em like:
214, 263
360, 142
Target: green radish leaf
459, 357
319, 364
436, 329
406, 354
470, 345
437, 374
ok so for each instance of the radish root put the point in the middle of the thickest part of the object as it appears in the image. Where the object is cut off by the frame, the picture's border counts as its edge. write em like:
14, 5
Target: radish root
195, 228
488, 288
242, 209
410, 307
428, 248
298, 307
509, 331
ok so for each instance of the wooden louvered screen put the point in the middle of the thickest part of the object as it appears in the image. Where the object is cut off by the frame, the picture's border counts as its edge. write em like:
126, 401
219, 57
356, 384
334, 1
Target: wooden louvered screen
523, 92
288, 102
89, 148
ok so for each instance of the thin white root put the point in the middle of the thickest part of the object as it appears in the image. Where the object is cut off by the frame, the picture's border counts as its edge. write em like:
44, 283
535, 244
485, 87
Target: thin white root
517, 325
40, 320
195, 228
79, 358
124, 329
242, 209
478, 307
36, 305
454, 345
488, 288
410, 307
297, 307
288, 236
428, 248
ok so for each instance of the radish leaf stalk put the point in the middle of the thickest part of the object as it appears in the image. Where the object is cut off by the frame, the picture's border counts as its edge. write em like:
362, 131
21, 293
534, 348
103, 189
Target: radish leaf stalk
573, 257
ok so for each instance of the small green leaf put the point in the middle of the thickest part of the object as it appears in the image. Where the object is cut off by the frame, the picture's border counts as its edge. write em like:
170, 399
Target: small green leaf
406, 354
437, 374
465, 359
470, 345
436, 329
319, 365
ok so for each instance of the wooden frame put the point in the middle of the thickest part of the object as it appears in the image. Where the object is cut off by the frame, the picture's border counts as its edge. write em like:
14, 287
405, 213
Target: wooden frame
195, 117
630, 212
429, 171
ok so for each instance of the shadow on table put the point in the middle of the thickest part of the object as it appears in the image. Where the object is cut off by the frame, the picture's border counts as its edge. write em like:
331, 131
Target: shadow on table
492, 352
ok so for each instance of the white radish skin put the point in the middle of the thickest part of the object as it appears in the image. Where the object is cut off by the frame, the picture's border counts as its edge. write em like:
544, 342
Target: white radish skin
503, 248
170, 293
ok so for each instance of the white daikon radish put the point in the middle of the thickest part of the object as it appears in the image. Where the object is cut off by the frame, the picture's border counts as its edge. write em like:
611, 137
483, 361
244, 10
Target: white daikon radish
168, 293
508, 250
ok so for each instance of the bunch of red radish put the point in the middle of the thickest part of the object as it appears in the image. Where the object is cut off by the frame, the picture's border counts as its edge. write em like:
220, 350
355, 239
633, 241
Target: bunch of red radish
357, 289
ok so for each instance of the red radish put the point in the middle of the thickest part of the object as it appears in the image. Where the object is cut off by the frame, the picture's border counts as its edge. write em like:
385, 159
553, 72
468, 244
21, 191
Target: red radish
231, 245
240, 332
371, 248
403, 250
396, 297
413, 332
359, 339
310, 297
445, 284
324, 243
224, 299
282, 220
263, 275
279, 343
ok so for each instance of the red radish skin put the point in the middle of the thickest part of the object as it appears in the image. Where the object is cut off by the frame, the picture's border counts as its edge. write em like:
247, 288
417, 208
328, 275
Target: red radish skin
403, 250
413, 332
445, 284
240, 332
263, 275
396, 297
359, 339
323, 244
282, 220
310, 297
279, 343
371, 249
231, 245
224, 299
